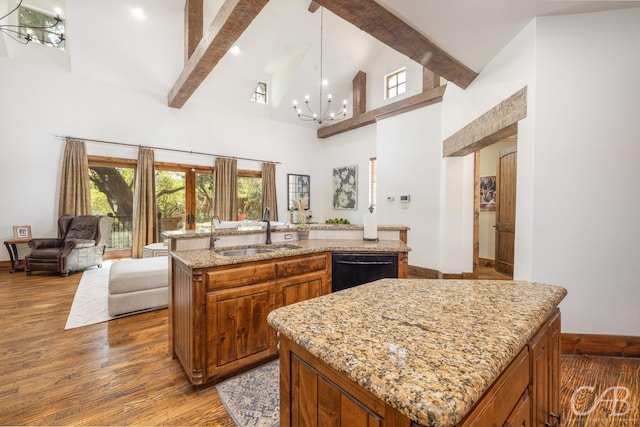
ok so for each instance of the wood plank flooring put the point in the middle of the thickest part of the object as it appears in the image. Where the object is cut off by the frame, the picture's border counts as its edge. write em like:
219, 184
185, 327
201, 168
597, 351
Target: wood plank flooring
114, 373
121, 373
599, 391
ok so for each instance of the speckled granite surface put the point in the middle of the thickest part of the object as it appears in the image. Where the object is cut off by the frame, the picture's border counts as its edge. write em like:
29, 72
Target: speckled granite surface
186, 234
202, 258
429, 348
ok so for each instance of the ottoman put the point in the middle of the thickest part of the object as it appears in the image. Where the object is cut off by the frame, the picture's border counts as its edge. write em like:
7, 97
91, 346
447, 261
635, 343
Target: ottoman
138, 285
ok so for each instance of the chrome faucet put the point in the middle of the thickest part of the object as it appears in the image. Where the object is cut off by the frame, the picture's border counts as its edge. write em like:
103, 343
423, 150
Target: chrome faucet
266, 217
212, 240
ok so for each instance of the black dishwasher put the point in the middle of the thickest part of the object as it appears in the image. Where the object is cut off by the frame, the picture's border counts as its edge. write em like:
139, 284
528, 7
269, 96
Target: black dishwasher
349, 270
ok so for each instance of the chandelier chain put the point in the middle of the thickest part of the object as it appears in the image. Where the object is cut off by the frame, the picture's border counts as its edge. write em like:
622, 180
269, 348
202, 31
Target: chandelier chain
326, 114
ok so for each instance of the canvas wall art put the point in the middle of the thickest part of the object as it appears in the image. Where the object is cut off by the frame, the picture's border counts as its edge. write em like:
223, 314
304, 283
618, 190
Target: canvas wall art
487, 193
345, 187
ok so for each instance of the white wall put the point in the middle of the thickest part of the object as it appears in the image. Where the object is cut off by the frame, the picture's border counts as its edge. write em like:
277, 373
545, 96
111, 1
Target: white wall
347, 149
577, 172
409, 163
586, 232
511, 70
41, 102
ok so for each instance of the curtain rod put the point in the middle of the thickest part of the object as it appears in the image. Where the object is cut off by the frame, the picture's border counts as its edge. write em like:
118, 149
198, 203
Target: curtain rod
165, 149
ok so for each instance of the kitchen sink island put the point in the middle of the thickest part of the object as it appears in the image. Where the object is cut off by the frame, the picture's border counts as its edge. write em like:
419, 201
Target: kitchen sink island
422, 353
219, 299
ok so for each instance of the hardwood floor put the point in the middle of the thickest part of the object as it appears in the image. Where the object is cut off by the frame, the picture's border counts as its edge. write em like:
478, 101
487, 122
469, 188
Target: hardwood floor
114, 373
599, 391
121, 373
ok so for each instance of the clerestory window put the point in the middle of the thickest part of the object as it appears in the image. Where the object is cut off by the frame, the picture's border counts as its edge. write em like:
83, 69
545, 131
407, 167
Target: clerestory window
395, 83
260, 93
41, 28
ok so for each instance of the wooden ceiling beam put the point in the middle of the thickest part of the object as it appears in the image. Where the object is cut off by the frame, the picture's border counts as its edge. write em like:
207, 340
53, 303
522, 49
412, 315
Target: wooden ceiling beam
383, 25
313, 7
359, 93
232, 20
423, 99
193, 26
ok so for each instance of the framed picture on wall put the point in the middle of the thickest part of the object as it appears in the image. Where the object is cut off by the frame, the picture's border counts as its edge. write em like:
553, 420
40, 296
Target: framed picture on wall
487, 193
345, 187
298, 187
22, 232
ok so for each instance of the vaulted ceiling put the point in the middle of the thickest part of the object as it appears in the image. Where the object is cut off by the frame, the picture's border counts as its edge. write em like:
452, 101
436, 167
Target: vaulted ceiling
281, 45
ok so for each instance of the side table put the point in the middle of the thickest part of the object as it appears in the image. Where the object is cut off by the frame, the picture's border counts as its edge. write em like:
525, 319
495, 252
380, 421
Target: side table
12, 248
154, 250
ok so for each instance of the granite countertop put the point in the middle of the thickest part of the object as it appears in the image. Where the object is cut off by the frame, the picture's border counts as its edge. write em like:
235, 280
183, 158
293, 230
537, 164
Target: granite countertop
429, 348
203, 258
252, 229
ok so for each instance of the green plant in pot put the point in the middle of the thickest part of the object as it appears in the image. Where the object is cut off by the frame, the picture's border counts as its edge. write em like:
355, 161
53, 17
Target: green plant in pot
303, 227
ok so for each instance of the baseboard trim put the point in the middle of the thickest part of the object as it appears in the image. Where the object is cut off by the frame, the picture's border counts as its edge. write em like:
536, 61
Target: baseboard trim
600, 345
422, 272
487, 262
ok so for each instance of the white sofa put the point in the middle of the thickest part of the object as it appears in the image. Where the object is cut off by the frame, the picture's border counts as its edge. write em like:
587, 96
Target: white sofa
138, 285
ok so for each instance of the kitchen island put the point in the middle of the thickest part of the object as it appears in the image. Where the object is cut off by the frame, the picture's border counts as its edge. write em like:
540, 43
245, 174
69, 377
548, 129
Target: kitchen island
219, 299
422, 352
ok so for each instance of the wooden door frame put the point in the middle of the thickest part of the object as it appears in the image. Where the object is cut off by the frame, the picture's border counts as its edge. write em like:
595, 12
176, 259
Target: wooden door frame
476, 205
497, 124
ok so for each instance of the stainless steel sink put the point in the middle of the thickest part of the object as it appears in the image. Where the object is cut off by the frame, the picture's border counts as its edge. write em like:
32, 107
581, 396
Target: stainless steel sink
256, 251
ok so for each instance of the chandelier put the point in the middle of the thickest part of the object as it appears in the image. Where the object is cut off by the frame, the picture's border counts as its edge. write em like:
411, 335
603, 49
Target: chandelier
325, 114
44, 31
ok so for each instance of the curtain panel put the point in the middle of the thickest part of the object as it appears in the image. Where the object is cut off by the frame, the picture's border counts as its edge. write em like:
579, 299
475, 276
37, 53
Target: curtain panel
75, 194
145, 222
269, 196
226, 189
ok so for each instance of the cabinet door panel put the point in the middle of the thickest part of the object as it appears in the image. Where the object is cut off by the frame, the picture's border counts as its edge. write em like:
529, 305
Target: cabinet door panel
292, 292
240, 275
539, 347
317, 402
300, 266
553, 332
521, 415
237, 322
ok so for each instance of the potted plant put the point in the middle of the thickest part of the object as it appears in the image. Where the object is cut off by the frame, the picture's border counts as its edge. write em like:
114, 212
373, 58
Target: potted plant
303, 227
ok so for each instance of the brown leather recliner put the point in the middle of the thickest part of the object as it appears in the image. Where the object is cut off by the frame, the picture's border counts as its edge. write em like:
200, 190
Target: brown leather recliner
82, 244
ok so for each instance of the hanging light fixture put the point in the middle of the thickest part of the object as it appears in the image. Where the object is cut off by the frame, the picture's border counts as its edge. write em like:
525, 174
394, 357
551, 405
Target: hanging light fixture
22, 33
325, 114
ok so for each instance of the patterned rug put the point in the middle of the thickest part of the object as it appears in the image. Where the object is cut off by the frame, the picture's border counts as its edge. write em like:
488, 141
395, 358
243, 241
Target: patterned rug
90, 302
253, 398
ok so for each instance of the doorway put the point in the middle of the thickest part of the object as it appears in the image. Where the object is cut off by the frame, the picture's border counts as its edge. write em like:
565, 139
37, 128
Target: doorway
494, 223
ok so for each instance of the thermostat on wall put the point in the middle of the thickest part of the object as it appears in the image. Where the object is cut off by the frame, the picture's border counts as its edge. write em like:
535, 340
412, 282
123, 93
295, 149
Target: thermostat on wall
405, 199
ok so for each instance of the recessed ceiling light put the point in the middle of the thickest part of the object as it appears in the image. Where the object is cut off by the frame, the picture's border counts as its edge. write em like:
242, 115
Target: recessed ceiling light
235, 50
138, 13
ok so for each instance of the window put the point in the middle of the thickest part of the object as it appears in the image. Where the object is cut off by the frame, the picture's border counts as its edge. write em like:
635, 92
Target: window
260, 93
170, 199
184, 195
395, 83
372, 182
111, 187
249, 195
40, 28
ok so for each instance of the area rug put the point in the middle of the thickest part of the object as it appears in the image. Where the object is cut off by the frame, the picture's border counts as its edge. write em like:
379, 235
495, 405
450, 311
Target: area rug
90, 305
253, 398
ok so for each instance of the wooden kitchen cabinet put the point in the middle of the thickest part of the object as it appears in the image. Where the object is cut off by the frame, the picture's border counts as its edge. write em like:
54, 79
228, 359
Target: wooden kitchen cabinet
299, 279
237, 329
314, 395
219, 314
545, 371
524, 395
